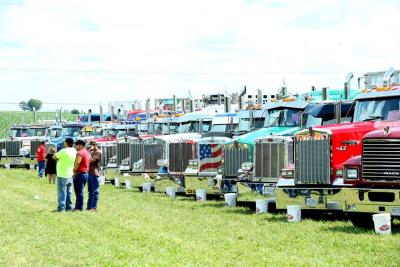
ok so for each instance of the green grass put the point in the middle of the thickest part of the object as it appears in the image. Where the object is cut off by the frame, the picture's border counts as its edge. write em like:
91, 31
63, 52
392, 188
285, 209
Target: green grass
133, 228
8, 118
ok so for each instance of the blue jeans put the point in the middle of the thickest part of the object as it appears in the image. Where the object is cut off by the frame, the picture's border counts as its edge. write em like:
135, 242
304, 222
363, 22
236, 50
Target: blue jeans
79, 186
64, 193
93, 189
41, 168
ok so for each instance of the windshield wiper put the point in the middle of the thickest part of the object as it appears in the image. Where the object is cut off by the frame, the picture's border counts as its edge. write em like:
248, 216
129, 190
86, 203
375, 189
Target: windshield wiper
373, 117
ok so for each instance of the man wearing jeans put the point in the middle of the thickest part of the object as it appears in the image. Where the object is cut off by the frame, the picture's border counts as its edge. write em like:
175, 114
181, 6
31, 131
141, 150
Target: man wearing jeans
65, 165
81, 169
94, 173
41, 156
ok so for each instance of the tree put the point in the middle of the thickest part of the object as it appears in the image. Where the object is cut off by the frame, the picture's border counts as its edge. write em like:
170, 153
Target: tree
23, 105
75, 112
34, 104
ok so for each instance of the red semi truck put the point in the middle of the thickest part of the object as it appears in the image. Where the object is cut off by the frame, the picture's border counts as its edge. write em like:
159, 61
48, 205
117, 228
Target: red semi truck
316, 181
375, 177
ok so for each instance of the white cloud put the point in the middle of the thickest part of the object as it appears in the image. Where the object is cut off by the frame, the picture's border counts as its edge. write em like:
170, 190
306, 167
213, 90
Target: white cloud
139, 49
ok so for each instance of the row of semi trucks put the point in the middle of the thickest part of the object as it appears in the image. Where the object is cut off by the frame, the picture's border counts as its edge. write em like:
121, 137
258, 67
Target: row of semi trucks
327, 151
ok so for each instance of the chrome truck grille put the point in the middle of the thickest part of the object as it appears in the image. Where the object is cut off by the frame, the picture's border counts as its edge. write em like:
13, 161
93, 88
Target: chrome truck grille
271, 156
312, 161
107, 152
233, 159
179, 156
34, 146
13, 148
381, 160
152, 153
135, 153
122, 152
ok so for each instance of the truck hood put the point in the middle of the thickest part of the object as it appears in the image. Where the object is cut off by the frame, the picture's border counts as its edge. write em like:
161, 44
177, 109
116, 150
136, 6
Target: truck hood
179, 137
393, 132
356, 127
250, 138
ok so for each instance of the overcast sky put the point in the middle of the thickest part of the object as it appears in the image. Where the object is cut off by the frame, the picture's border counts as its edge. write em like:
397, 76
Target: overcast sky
87, 51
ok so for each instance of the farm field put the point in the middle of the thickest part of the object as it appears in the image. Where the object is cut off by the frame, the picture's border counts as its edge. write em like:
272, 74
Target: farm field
8, 118
133, 228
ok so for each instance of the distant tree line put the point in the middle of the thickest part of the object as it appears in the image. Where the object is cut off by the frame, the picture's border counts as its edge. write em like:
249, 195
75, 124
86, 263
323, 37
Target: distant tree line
31, 105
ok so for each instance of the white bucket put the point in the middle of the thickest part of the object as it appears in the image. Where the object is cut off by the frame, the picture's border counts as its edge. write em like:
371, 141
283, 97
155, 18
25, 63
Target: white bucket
116, 182
128, 184
294, 213
32, 166
170, 191
201, 195
230, 199
7, 166
262, 206
382, 223
146, 187
102, 180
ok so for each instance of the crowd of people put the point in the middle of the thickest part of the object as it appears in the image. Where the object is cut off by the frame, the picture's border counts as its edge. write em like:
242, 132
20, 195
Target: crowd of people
75, 166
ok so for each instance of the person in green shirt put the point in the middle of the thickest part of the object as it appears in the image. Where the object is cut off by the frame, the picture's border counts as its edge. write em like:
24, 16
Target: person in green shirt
65, 164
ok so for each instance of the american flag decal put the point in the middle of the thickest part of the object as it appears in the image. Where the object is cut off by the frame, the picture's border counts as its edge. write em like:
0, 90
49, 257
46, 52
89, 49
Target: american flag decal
210, 157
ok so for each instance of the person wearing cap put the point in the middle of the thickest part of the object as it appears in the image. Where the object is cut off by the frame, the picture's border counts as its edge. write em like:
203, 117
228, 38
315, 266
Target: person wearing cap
81, 169
94, 174
41, 157
65, 164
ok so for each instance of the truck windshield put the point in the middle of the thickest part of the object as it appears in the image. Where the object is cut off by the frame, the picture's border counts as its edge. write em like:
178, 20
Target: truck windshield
377, 109
220, 128
283, 117
70, 131
37, 131
312, 121
157, 128
110, 132
54, 133
19, 133
244, 124
184, 127
142, 127
169, 128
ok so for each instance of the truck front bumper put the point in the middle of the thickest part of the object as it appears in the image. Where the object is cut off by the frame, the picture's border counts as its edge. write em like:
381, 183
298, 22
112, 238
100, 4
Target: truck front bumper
211, 184
321, 198
370, 200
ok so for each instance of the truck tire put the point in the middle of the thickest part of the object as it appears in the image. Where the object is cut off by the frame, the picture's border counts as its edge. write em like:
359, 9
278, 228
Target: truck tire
362, 220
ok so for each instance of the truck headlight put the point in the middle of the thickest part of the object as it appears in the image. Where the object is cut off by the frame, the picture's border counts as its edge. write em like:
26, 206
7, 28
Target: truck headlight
339, 173
137, 165
351, 174
193, 162
162, 163
246, 166
285, 173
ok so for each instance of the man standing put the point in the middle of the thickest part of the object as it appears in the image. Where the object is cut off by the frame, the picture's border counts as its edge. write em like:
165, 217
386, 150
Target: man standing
94, 173
81, 169
65, 165
41, 157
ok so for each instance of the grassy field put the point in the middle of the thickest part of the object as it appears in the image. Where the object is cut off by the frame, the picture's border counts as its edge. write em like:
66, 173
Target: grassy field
133, 228
8, 118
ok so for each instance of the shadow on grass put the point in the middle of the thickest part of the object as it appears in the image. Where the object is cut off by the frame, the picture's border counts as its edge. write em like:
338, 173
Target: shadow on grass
239, 211
350, 229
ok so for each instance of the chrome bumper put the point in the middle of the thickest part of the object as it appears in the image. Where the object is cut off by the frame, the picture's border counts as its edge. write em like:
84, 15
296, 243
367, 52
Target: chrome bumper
212, 185
323, 198
250, 191
370, 200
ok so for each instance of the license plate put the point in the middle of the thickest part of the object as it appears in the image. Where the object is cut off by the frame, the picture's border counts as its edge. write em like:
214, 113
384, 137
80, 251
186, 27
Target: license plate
395, 211
269, 190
